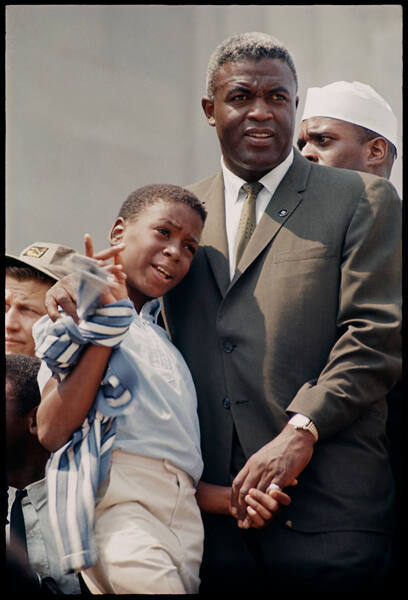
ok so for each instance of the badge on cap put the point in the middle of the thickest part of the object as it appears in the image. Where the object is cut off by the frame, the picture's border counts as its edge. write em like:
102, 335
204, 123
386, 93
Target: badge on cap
35, 251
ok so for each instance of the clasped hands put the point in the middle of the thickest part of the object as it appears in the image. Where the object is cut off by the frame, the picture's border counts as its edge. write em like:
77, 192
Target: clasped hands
280, 461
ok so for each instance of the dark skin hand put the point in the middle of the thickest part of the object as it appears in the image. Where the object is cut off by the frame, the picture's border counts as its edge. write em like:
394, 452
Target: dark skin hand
280, 461
63, 293
261, 507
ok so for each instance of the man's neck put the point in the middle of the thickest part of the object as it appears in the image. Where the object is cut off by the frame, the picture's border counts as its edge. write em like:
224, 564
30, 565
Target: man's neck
23, 470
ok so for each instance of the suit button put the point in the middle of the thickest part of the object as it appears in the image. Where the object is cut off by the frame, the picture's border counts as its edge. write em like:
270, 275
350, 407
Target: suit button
228, 347
226, 403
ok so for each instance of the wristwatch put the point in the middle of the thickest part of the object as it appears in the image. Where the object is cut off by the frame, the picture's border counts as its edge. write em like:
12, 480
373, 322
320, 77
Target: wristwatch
299, 421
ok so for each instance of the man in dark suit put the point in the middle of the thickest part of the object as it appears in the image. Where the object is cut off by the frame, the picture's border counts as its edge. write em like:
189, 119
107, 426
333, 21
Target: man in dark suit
290, 321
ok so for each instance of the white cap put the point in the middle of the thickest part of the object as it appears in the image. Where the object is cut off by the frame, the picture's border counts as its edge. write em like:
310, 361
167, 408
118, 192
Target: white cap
354, 102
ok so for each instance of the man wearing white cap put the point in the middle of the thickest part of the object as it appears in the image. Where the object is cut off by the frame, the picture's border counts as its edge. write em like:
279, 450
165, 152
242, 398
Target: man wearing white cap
350, 126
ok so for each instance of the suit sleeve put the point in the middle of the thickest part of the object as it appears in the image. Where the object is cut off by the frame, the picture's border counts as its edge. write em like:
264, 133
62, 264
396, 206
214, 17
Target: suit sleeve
365, 361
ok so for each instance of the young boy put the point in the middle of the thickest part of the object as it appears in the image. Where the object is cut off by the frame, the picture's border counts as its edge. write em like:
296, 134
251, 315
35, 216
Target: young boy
148, 528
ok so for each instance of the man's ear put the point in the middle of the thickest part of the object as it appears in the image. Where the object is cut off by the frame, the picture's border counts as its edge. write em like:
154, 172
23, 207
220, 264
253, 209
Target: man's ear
117, 231
208, 108
376, 151
32, 421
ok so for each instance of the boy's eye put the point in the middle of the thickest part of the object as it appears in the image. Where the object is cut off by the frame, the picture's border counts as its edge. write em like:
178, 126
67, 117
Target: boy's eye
191, 248
163, 231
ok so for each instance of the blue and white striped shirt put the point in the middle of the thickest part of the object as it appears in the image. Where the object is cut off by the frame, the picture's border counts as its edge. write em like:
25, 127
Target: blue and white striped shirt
146, 405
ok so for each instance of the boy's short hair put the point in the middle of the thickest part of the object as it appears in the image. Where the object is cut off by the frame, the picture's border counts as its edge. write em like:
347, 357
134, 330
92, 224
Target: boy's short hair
21, 371
148, 195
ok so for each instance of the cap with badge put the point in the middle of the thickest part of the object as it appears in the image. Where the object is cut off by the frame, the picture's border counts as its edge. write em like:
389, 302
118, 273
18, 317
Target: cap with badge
51, 259
354, 102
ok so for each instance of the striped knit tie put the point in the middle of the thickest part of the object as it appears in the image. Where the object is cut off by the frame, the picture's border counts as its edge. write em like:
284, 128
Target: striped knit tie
247, 222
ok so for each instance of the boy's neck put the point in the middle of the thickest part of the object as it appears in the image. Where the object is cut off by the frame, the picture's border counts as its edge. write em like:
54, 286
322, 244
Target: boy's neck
138, 299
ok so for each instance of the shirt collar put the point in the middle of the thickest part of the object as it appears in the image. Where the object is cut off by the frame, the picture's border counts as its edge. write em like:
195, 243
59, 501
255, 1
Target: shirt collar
270, 181
36, 492
150, 310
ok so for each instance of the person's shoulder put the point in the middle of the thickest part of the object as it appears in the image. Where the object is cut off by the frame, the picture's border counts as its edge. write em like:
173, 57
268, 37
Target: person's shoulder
204, 184
352, 181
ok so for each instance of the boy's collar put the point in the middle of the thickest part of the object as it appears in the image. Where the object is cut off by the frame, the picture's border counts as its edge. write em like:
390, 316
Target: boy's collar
150, 310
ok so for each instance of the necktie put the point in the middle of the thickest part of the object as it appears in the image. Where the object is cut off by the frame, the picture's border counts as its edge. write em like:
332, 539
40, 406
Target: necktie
17, 525
247, 222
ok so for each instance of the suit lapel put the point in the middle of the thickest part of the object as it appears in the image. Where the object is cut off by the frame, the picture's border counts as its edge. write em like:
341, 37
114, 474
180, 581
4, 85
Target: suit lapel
283, 203
214, 238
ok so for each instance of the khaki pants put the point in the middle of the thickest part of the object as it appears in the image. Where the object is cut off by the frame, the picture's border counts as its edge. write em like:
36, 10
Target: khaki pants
148, 530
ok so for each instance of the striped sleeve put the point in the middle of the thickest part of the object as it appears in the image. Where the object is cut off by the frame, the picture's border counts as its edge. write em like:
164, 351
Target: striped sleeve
73, 476
75, 471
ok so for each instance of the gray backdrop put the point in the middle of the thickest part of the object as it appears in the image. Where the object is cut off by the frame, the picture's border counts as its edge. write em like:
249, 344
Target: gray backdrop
103, 99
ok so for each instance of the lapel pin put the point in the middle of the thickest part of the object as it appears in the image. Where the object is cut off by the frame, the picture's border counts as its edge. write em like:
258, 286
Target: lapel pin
283, 212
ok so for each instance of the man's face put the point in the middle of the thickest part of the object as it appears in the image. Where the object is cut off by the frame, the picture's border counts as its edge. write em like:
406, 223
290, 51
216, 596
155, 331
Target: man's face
253, 110
159, 247
24, 306
333, 143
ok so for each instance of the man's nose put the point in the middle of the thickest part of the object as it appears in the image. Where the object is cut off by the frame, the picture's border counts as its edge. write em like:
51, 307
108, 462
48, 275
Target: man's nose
12, 319
260, 110
310, 153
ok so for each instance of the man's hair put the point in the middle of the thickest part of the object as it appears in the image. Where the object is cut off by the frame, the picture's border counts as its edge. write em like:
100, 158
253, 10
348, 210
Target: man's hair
365, 135
26, 273
21, 371
149, 195
246, 46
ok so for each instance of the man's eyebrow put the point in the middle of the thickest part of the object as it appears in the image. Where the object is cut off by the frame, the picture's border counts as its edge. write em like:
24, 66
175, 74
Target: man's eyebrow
26, 303
239, 88
245, 87
319, 130
280, 88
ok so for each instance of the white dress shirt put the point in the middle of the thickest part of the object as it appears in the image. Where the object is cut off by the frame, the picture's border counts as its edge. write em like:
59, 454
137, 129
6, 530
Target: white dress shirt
234, 200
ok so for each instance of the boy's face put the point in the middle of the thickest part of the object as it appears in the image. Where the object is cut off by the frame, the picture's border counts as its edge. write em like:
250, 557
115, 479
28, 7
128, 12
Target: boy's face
159, 247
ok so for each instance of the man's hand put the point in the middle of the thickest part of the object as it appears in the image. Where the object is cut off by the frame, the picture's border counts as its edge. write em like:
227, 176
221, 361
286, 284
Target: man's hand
63, 293
280, 461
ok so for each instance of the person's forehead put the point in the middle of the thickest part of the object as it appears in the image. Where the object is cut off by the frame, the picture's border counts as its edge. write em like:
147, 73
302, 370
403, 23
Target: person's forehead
326, 125
271, 69
26, 288
178, 214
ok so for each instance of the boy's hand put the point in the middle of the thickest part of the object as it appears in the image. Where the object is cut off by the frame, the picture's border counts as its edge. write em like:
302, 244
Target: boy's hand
63, 293
117, 289
262, 507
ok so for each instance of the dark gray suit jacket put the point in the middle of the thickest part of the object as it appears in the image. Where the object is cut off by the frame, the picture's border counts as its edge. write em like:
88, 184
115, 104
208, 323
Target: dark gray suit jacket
310, 323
